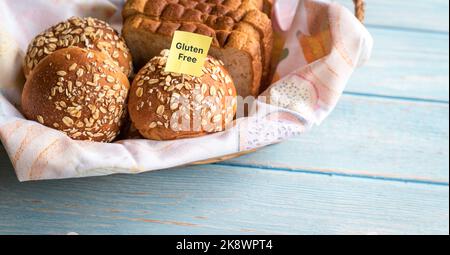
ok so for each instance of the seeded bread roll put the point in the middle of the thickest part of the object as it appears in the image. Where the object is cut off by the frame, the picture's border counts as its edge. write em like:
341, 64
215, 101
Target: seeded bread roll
78, 91
167, 106
88, 33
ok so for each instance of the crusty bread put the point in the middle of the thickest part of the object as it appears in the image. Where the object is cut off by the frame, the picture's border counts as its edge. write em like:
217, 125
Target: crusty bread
166, 106
239, 51
219, 15
229, 15
225, 15
80, 92
236, 8
88, 33
268, 7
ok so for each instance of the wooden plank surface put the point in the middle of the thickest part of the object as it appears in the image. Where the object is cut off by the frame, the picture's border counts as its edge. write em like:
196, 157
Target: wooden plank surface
430, 15
369, 136
225, 200
377, 165
405, 64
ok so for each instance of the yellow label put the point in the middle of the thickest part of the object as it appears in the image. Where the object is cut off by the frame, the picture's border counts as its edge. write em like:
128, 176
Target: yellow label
188, 53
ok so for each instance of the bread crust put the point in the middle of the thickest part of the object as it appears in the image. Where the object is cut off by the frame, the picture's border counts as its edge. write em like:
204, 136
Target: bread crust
156, 8
77, 91
219, 15
167, 106
268, 7
88, 33
141, 25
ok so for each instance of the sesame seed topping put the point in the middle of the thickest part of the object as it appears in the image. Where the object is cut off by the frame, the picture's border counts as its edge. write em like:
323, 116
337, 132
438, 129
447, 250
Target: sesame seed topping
212, 91
40, 119
80, 72
204, 88
139, 92
111, 79
173, 106
153, 81
160, 110
67, 121
61, 73
73, 67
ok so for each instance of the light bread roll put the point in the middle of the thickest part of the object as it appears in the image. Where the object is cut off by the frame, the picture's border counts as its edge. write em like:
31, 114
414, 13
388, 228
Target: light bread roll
167, 106
78, 91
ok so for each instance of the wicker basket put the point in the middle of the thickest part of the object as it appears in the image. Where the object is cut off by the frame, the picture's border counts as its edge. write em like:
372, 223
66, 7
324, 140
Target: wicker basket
360, 15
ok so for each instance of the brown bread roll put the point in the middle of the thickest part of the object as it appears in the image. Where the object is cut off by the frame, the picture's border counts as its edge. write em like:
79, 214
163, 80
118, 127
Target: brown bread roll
78, 91
166, 106
88, 33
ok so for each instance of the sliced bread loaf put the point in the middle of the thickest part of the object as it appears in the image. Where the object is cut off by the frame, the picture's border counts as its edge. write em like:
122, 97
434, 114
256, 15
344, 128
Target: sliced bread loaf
238, 49
218, 15
157, 8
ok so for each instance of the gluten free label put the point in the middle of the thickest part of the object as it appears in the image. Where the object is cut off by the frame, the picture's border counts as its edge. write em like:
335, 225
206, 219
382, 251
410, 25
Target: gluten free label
188, 53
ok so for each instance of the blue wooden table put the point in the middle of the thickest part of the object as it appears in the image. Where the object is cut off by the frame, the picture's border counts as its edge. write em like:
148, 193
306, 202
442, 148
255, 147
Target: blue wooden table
383, 169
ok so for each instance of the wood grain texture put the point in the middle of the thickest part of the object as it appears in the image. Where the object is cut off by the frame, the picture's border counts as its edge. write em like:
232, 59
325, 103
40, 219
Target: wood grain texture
369, 136
221, 200
431, 15
405, 64
378, 165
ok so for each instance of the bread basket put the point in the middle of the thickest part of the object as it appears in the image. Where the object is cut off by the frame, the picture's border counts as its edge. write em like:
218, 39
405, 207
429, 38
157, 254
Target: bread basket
317, 54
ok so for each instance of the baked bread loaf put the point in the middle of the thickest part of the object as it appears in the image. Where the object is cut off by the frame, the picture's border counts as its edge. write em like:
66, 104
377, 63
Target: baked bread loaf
88, 33
166, 106
151, 24
221, 15
240, 52
80, 92
217, 7
268, 7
